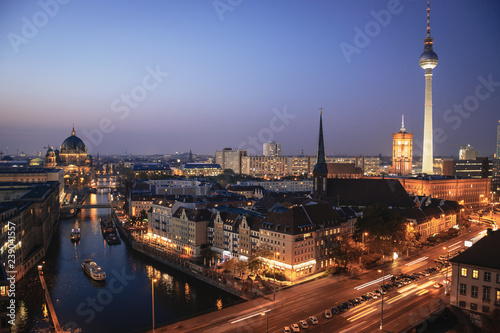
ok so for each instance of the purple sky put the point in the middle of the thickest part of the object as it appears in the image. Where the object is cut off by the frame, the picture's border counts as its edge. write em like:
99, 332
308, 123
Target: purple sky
168, 76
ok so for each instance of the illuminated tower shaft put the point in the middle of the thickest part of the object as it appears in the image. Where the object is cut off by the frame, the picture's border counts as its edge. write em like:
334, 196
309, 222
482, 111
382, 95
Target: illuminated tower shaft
428, 60
428, 153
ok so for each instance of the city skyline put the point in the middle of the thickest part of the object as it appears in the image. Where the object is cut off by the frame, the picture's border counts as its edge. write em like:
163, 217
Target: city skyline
168, 76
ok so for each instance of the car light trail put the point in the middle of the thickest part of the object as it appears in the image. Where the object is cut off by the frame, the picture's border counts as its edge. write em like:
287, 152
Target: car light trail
362, 314
387, 277
455, 244
416, 261
250, 316
422, 292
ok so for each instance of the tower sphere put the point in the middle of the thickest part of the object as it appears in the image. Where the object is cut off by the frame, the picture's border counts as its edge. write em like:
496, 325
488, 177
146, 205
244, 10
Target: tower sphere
428, 59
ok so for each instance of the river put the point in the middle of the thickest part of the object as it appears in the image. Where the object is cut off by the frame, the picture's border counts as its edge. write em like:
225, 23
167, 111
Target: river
124, 302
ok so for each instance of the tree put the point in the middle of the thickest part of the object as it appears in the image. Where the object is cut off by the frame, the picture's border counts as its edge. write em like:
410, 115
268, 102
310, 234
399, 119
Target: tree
345, 252
385, 228
207, 254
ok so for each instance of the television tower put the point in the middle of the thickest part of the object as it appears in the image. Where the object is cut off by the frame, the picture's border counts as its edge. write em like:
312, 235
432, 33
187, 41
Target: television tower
428, 60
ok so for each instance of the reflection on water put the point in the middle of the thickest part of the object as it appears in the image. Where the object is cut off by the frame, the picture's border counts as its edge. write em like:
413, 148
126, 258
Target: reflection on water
82, 305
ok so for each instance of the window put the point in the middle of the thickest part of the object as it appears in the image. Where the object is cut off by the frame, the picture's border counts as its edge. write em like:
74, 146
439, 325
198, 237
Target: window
463, 289
475, 274
473, 306
486, 294
497, 297
487, 276
461, 304
463, 272
486, 309
473, 291
498, 278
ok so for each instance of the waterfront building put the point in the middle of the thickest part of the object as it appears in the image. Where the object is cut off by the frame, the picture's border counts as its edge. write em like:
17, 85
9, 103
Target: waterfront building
140, 203
428, 60
72, 157
160, 217
189, 230
402, 151
230, 159
34, 216
234, 232
271, 148
467, 153
4, 300
299, 237
475, 278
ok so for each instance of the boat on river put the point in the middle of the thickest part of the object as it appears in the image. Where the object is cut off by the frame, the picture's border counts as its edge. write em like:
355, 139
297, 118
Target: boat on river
112, 238
75, 234
94, 271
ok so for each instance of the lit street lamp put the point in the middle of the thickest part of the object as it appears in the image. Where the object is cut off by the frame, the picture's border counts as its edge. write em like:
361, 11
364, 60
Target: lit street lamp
267, 320
382, 292
153, 281
274, 274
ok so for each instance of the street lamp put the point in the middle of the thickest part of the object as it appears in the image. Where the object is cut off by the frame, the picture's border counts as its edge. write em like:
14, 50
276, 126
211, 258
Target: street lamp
448, 259
382, 292
363, 237
274, 274
153, 281
267, 320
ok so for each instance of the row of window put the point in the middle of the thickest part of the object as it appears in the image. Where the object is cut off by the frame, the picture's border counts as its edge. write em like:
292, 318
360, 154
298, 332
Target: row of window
486, 293
473, 306
475, 274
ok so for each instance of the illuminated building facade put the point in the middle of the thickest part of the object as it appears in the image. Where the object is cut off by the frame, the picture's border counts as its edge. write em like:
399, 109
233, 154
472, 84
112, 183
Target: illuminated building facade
402, 151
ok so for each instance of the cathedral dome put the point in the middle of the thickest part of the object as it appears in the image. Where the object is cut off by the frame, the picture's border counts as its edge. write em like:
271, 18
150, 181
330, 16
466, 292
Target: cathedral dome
73, 144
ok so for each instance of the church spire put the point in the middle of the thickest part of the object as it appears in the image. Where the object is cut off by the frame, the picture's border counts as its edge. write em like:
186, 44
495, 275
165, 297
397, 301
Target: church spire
320, 165
73, 131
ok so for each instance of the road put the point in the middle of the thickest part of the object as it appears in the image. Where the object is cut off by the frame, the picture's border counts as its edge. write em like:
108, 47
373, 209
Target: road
401, 306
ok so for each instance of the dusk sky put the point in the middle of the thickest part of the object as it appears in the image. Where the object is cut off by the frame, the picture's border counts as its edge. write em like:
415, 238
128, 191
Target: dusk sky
169, 76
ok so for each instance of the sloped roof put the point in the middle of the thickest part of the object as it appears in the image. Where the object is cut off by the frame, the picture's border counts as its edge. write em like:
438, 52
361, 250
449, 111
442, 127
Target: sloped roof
366, 192
300, 219
484, 253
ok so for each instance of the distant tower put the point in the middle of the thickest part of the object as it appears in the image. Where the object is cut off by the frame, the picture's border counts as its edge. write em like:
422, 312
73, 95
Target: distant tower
428, 60
402, 150
320, 171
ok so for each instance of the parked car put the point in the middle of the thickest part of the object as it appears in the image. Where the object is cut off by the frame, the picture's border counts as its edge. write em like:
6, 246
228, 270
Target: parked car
287, 329
303, 324
295, 328
335, 310
313, 320
328, 314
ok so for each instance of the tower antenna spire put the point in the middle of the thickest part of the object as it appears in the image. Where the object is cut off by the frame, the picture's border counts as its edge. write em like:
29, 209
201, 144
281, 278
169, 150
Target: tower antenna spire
428, 19
403, 129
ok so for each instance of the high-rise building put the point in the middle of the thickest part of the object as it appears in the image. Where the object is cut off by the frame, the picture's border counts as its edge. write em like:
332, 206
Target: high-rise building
230, 159
402, 151
498, 140
272, 148
428, 60
467, 153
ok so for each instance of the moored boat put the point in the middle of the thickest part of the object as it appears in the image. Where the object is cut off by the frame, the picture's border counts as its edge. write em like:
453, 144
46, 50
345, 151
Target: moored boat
94, 271
75, 234
112, 238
